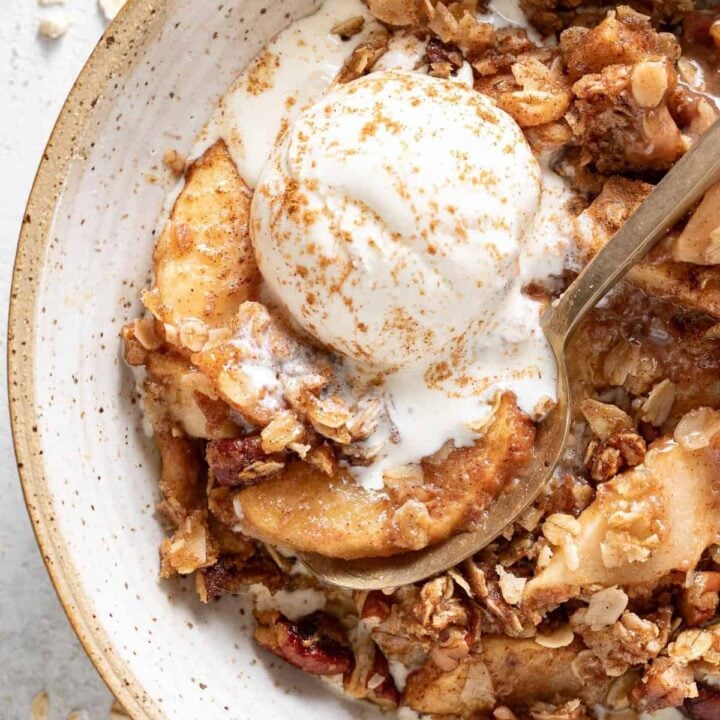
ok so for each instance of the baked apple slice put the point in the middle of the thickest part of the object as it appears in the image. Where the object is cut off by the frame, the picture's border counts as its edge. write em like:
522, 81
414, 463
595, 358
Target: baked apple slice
510, 671
203, 262
643, 524
309, 511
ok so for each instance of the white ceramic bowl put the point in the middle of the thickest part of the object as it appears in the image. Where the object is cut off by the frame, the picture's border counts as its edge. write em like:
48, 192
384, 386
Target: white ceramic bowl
89, 474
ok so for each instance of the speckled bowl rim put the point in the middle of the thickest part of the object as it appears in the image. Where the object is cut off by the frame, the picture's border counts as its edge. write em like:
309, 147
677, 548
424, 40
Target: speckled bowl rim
115, 54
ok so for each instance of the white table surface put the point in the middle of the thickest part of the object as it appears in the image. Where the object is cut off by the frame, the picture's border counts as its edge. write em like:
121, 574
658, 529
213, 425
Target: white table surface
38, 650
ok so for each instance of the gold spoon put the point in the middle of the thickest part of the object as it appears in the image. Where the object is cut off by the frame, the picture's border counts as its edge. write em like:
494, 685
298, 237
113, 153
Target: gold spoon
674, 196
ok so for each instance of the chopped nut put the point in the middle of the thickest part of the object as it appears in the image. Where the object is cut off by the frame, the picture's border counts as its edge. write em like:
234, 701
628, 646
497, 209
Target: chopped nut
239, 461
350, 27
316, 643
666, 684
443, 23
700, 598
440, 53
623, 447
703, 704
530, 108
605, 463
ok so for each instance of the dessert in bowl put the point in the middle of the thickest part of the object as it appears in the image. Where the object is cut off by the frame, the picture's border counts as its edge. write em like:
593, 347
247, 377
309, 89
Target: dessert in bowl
342, 354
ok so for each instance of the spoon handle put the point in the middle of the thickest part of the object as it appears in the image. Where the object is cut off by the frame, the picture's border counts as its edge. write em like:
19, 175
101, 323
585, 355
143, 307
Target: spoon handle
676, 193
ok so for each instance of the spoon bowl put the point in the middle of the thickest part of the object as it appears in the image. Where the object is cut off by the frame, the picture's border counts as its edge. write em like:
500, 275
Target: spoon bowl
673, 197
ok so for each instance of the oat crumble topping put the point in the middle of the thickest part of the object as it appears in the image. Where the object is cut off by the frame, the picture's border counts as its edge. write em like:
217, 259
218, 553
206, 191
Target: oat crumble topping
604, 593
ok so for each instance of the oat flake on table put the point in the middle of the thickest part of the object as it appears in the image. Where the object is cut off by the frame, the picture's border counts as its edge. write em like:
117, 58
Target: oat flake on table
40, 707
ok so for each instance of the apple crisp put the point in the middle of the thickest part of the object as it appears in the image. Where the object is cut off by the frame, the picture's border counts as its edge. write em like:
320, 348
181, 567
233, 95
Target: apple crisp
601, 599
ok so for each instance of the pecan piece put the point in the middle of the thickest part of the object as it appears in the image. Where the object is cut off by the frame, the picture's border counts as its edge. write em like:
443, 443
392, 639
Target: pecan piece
444, 58
706, 706
376, 606
379, 682
241, 461
667, 683
623, 448
316, 643
699, 601
233, 574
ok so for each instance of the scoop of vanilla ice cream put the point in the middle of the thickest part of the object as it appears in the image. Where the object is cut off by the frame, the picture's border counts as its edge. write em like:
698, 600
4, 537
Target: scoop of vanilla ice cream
390, 219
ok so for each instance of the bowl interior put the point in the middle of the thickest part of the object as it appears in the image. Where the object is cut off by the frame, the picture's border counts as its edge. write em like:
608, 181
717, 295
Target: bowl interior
90, 473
